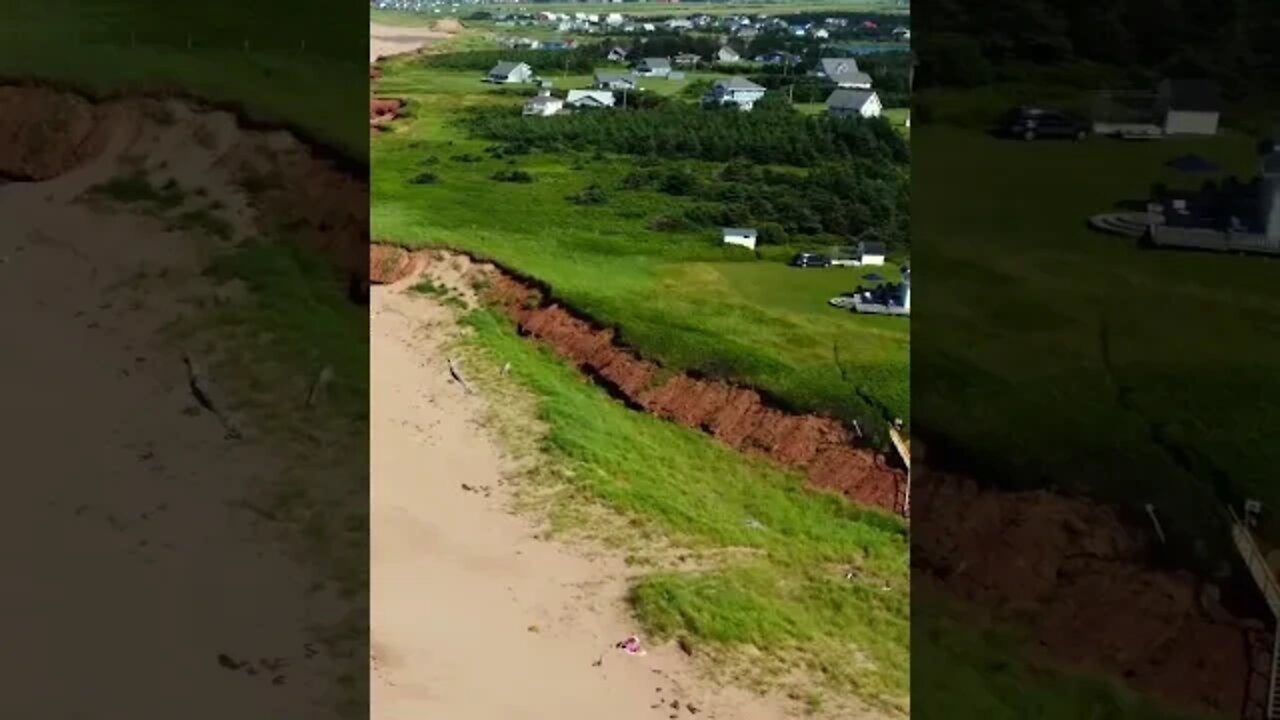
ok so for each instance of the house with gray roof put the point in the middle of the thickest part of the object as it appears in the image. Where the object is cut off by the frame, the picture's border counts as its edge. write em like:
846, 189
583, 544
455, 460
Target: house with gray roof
510, 72
846, 103
737, 91
843, 73
616, 81
653, 67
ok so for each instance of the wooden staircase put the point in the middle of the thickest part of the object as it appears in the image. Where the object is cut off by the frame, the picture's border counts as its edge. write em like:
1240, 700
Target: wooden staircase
1256, 562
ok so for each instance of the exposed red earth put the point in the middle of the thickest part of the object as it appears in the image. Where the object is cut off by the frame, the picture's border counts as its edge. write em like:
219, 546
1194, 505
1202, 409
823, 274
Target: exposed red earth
383, 111
45, 133
1080, 581
830, 455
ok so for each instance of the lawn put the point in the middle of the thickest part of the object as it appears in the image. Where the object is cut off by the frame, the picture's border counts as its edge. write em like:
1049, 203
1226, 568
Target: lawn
283, 63
679, 297
1060, 357
769, 594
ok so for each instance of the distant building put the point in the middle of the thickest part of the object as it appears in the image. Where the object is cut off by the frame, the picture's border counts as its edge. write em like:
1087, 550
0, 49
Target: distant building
616, 81
737, 91
778, 58
871, 253
727, 54
653, 67
1189, 107
744, 237
544, 104
902, 34
510, 72
845, 103
617, 54
686, 60
842, 73
585, 99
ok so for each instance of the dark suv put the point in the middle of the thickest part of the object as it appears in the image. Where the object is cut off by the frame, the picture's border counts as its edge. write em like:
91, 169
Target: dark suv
1034, 123
808, 259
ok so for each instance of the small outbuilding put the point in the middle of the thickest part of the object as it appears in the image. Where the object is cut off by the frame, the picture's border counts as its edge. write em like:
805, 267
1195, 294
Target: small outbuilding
744, 237
510, 72
1189, 107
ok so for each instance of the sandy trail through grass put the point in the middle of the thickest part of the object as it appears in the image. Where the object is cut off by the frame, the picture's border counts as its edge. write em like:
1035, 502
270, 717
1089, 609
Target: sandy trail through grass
474, 616
386, 40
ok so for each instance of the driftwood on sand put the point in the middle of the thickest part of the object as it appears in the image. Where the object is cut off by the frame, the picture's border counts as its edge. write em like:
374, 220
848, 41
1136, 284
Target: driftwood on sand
201, 389
456, 372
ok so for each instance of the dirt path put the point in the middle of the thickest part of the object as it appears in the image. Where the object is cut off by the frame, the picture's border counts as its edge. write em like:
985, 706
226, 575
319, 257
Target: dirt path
119, 479
474, 616
386, 40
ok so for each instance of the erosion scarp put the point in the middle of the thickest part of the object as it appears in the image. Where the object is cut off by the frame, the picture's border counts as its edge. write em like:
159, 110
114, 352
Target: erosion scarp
832, 456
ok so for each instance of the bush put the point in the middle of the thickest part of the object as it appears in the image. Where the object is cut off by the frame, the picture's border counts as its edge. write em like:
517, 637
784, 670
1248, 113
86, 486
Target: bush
590, 195
671, 223
771, 233
424, 178
512, 176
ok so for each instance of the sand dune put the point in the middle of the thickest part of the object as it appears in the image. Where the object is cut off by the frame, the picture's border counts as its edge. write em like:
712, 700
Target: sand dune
386, 40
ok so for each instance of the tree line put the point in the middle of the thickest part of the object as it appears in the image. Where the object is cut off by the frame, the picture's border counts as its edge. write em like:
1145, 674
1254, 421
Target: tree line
772, 133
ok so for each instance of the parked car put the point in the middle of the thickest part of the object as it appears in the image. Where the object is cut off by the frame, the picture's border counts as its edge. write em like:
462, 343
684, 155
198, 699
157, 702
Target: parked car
807, 259
1037, 123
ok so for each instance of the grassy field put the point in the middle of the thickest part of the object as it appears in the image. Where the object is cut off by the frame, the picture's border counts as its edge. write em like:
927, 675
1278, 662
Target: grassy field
1061, 357
301, 68
680, 297
744, 565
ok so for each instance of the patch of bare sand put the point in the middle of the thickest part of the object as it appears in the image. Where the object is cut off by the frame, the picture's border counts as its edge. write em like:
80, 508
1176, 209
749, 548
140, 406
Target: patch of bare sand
123, 536
474, 616
388, 40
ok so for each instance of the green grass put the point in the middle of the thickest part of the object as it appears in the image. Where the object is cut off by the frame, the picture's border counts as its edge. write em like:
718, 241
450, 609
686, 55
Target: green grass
681, 298
770, 554
106, 48
967, 670
1021, 295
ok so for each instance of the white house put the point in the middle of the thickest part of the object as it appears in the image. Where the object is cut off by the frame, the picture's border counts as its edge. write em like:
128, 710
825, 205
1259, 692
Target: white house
870, 253
906, 288
744, 237
902, 34
590, 99
821, 34
735, 91
544, 104
727, 54
843, 73
653, 67
613, 19
679, 24
616, 81
1189, 107
510, 72
845, 103
617, 54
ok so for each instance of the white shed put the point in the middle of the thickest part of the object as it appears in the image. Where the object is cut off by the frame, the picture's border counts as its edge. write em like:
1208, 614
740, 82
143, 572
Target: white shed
745, 237
871, 253
544, 104
1189, 107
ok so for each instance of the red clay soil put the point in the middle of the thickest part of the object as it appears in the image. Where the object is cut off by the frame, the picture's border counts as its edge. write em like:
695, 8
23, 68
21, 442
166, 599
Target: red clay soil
1079, 581
45, 133
383, 111
830, 454
388, 264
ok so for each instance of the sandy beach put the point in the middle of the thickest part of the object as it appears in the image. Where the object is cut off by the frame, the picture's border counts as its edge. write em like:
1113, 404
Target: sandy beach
474, 617
386, 40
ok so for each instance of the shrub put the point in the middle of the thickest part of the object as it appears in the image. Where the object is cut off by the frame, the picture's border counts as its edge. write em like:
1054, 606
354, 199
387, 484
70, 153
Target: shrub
512, 176
590, 195
424, 178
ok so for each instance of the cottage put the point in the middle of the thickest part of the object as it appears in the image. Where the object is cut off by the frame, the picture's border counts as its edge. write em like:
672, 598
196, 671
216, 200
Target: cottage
743, 237
613, 19
727, 54
778, 58
843, 73
902, 34
746, 32
678, 24
616, 81
617, 54
821, 34
846, 103
653, 67
871, 253
737, 91
544, 104
686, 60
510, 72
584, 99
1189, 107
